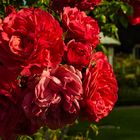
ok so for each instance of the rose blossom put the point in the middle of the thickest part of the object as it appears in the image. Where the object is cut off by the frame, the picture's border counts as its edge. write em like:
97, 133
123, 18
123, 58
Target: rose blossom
30, 39
100, 88
135, 18
78, 54
81, 27
55, 101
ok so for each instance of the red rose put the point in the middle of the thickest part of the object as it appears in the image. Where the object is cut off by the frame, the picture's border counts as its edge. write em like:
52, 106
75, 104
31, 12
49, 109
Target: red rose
100, 88
56, 98
10, 9
135, 18
80, 26
78, 54
30, 38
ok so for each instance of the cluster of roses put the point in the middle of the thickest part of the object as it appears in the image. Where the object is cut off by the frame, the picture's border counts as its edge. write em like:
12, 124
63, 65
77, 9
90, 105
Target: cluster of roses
51, 75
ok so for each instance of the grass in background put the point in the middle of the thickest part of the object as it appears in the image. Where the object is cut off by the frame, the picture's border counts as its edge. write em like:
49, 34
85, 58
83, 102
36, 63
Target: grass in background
123, 123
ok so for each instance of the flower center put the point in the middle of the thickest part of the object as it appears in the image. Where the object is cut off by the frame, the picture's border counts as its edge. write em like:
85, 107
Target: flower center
15, 44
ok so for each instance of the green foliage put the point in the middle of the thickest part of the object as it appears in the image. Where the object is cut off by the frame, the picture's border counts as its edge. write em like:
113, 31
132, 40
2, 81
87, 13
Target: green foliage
127, 70
24, 138
94, 129
85, 132
121, 124
18, 4
110, 13
103, 48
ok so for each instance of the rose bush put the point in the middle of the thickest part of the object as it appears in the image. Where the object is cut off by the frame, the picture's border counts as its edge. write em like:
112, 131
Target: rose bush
45, 82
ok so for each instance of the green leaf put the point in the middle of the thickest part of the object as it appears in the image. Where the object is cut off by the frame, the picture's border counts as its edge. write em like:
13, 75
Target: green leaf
103, 18
126, 9
124, 21
95, 129
25, 138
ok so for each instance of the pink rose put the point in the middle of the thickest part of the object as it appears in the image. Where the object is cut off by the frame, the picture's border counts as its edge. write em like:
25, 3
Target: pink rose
78, 54
30, 39
55, 101
81, 27
100, 88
